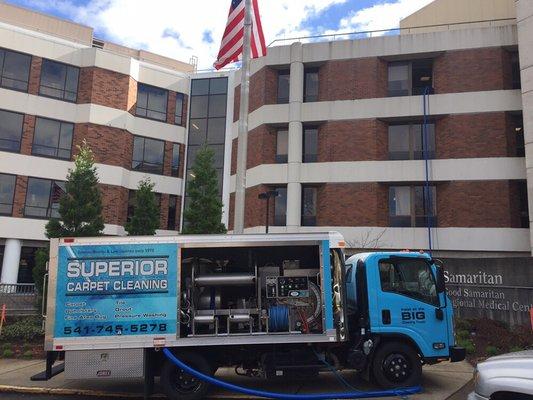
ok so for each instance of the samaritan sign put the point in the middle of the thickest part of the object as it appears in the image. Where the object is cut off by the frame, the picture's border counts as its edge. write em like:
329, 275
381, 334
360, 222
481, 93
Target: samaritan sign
118, 289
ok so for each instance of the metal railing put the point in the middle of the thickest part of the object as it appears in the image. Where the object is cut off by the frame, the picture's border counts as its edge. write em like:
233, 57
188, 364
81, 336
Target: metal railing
19, 298
382, 32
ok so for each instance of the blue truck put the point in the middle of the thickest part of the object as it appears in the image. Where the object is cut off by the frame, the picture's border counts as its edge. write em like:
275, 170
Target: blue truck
272, 306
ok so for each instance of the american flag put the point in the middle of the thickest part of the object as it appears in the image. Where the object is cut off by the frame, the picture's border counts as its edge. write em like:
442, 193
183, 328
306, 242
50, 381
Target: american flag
233, 38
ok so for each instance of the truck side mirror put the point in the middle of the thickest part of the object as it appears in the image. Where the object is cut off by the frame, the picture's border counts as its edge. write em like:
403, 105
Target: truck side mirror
441, 287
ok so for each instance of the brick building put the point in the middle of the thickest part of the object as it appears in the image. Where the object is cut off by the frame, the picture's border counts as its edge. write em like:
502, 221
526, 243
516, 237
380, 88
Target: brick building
336, 128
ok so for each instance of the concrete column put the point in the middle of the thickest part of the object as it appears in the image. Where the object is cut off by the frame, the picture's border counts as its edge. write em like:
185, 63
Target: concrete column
10, 265
294, 189
524, 18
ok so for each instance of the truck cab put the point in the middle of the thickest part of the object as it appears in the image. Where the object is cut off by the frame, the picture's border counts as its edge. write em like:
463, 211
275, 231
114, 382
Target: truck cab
397, 303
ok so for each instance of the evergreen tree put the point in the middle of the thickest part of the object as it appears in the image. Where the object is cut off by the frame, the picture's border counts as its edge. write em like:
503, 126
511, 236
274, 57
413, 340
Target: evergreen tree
203, 214
145, 218
80, 207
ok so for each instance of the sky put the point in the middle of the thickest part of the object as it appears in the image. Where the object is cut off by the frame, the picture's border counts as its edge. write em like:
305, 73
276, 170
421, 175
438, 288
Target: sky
184, 28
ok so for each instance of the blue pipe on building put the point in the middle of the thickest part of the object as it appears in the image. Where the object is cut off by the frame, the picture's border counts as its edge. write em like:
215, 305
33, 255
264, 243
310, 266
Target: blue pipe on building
271, 395
425, 145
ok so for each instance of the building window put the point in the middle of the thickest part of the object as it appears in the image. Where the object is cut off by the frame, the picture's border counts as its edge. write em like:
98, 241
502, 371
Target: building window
207, 123
311, 85
406, 142
59, 81
14, 70
148, 155
411, 206
515, 71
178, 115
7, 193
131, 203
310, 145
524, 206
282, 146
280, 206
175, 167
172, 211
309, 205
10, 130
42, 198
408, 78
284, 84
52, 138
151, 102
518, 130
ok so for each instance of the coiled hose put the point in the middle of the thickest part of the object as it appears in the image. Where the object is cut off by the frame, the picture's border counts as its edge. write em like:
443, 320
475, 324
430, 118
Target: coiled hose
271, 395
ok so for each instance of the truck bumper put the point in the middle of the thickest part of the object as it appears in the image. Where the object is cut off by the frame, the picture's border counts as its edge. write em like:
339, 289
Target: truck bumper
457, 353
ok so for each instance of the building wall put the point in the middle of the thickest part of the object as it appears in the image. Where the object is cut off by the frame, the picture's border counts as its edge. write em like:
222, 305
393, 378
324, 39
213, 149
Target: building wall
477, 170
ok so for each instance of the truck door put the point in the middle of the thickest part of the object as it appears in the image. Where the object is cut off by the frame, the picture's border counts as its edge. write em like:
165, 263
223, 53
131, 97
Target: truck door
407, 303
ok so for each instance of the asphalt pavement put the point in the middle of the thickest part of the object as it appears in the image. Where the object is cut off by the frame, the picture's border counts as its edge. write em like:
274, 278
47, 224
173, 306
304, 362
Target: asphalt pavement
440, 382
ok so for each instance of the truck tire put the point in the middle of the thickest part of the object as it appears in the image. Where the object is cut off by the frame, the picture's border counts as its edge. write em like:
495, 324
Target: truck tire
179, 385
396, 364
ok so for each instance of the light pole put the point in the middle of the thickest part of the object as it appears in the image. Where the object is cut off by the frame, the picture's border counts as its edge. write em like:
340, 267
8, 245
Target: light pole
266, 196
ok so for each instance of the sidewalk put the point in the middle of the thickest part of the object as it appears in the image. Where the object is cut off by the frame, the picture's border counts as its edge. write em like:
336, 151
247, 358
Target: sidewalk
441, 381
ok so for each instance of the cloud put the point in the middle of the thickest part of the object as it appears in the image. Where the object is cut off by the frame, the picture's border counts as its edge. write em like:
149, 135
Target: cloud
385, 15
182, 29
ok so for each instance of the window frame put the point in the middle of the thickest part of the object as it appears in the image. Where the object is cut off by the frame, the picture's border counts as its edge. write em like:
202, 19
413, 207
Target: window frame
49, 207
277, 189
411, 141
311, 98
394, 262
282, 158
2, 70
21, 132
309, 158
176, 222
410, 87
12, 195
144, 150
283, 72
177, 167
64, 83
309, 220
139, 84
182, 118
412, 208
33, 153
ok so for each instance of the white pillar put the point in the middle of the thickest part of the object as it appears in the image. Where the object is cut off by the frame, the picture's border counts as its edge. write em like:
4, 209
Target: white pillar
294, 189
524, 16
10, 265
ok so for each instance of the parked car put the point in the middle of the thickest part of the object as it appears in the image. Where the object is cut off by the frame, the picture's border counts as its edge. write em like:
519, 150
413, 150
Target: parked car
504, 377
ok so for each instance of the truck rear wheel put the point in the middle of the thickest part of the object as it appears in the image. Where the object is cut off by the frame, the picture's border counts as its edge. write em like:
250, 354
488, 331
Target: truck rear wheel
396, 364
178, 385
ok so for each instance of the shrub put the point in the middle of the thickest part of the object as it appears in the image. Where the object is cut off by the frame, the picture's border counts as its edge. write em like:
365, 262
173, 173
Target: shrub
6, 346
28, 354
468, 344
463, 335
491, 350
27, 347
462, 325
26, 329
515, 348
8, 353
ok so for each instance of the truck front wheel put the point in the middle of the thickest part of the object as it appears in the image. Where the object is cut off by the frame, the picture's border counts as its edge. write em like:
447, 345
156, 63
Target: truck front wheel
177, 384
396, 364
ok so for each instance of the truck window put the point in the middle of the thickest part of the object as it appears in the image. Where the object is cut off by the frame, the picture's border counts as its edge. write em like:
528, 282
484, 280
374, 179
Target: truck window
411, 278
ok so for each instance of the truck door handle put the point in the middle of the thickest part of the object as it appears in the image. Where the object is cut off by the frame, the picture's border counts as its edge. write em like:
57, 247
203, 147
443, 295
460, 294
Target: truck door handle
385, 317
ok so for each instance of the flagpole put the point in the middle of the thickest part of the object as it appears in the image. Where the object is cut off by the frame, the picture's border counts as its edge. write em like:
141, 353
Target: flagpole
242, 142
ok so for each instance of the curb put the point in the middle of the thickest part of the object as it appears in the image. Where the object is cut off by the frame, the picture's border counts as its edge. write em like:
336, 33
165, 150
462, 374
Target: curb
95, 393
70, 392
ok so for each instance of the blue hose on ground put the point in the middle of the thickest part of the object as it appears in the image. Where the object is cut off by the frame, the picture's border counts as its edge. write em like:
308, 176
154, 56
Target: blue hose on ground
271, 395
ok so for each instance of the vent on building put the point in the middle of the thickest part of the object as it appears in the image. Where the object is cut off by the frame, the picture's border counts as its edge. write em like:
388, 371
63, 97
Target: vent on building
194, 62
98, 43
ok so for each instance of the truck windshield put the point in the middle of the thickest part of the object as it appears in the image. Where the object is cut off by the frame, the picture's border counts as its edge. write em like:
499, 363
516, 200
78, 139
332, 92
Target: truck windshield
410, 277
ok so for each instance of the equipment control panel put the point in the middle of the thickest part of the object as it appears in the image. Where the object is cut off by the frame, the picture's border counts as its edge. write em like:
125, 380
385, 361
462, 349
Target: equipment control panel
287, 286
